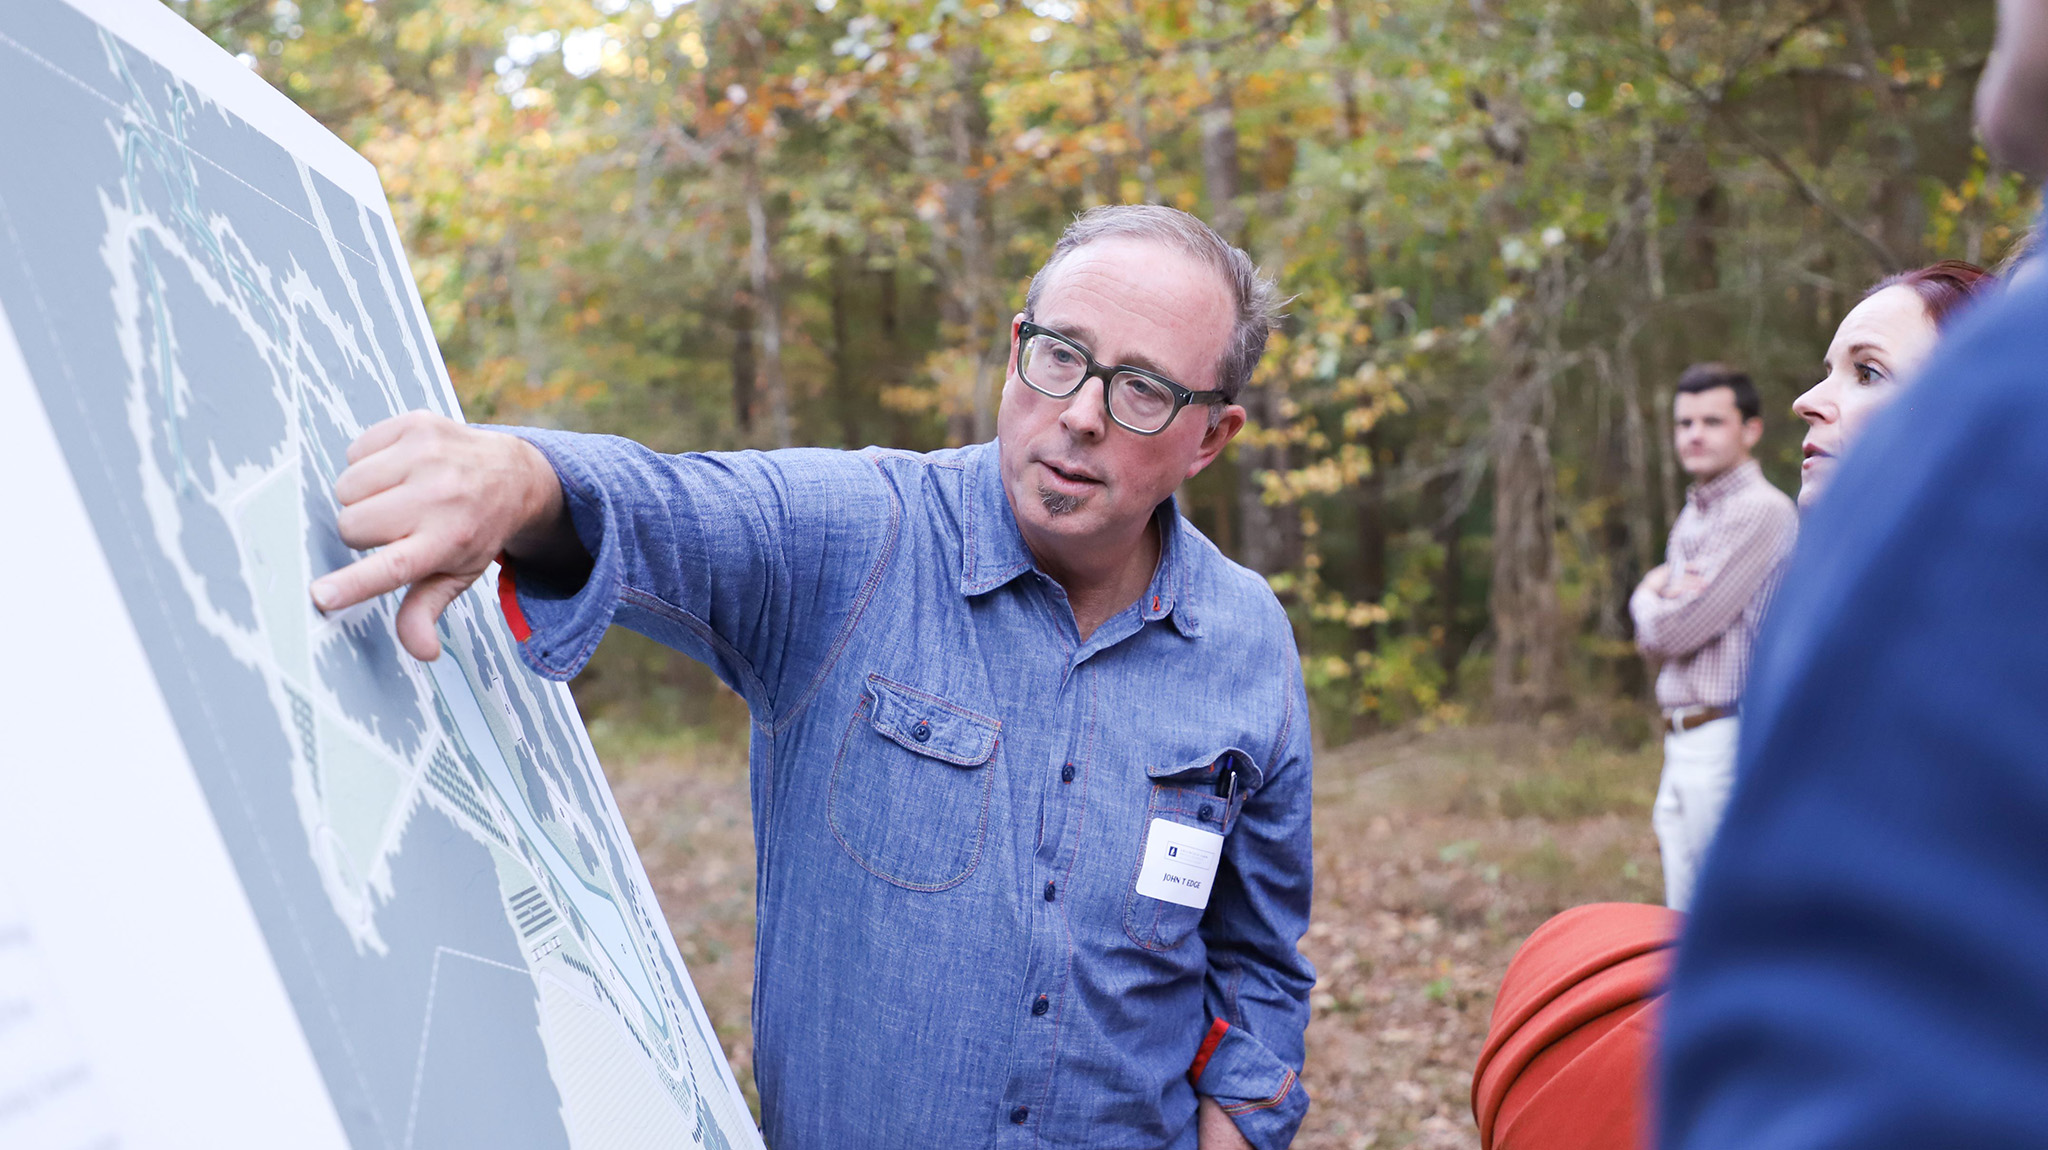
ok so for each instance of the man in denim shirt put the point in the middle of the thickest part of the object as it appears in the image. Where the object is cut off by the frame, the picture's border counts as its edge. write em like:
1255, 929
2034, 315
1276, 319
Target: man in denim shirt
1030, 758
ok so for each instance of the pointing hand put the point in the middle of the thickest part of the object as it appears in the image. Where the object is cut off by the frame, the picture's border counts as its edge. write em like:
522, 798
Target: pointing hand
439, 500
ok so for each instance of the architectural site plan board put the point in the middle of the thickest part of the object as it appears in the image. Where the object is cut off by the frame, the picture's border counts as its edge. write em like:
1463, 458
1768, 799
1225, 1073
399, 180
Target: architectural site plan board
266, 880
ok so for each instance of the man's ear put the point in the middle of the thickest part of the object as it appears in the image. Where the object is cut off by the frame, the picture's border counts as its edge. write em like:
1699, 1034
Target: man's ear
1229, 421
1752, 432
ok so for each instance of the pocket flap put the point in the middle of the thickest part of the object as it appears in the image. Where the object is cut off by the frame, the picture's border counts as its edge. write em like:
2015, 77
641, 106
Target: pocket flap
930, 726
1208, 768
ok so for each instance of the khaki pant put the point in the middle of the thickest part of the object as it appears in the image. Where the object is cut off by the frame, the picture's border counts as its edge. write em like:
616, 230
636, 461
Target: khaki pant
1699, 771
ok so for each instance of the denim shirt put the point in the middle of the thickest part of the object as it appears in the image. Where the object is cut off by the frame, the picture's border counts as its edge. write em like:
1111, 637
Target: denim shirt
952, 793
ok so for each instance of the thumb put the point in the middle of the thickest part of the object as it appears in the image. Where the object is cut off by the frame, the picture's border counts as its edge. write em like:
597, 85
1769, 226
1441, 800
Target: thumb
424, 602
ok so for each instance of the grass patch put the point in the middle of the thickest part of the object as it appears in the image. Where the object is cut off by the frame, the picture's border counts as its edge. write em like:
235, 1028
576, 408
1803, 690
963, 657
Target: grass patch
1591, 786
1583, 779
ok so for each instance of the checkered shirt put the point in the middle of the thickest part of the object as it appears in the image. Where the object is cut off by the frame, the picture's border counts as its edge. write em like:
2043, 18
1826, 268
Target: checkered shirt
1735, 533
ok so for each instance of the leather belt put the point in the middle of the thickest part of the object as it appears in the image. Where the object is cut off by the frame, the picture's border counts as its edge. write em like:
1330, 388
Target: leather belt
1683, 719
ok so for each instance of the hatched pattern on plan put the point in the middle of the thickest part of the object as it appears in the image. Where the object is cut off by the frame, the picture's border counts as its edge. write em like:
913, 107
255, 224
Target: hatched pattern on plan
449, 780
535, 915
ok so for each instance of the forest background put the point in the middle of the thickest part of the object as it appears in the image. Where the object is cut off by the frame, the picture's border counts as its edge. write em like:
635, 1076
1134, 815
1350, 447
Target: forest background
1506, 227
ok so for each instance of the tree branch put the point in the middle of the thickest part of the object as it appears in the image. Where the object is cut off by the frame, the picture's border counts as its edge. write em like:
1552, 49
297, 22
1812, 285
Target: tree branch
1763, 149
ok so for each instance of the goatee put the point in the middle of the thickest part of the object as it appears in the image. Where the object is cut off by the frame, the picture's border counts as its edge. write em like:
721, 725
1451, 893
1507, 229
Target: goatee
1058, 502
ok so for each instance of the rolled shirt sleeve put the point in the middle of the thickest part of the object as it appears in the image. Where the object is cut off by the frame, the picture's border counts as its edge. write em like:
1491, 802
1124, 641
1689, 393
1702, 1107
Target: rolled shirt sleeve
737, 559
1259, 981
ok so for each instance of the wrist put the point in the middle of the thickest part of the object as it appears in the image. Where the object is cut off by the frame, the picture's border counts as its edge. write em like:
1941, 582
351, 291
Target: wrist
542, 534
542, 503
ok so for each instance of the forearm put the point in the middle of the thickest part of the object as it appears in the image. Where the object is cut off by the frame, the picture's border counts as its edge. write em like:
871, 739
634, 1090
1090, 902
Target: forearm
546, 543
1675, 627
1216, 1131
1692, 610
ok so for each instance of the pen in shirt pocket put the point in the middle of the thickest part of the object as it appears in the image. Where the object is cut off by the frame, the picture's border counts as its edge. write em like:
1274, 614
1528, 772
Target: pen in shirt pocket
1226, 780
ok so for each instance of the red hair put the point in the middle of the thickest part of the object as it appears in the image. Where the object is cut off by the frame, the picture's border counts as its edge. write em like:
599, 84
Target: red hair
1942, 287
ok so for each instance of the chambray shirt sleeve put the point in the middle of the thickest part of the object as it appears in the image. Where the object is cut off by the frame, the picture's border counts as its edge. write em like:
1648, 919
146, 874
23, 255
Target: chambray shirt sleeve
1744, 559
751, 561
1258, 980
1865, 964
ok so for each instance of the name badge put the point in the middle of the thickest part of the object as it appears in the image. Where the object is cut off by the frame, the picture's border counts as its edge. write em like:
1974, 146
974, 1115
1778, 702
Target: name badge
1180, 863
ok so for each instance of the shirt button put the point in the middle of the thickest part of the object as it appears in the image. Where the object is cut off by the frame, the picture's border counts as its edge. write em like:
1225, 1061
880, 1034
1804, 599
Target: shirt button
922, 731
1067, 773
1020, 1115
1207, 812
1042, 1005
1051, 890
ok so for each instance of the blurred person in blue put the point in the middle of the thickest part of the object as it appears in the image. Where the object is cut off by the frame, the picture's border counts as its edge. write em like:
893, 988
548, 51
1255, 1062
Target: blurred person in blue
1865, 964
1030, 762
1697, 612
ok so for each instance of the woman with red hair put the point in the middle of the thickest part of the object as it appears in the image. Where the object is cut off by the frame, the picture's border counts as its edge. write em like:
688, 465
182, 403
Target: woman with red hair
1566, 1064
1881, 342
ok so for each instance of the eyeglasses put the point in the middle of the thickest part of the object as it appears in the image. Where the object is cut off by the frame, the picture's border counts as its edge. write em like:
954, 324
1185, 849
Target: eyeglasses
1138, 400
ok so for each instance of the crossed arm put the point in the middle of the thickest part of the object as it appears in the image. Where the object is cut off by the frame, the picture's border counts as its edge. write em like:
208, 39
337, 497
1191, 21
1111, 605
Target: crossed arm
1678, 610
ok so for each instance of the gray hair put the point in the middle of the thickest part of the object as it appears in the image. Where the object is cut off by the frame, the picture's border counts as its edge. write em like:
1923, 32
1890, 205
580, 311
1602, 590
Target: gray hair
1254, 296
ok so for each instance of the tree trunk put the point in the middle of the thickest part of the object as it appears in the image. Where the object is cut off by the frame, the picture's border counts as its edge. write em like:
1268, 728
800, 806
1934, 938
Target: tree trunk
1635, 441
743, 364
1357, 246
1220, 168
1897, 202
1269, 536
967, 128
1528, 628
1449, 533
1669, 487
1370, 505
1702, 236
885, 301
1103, 184
1135, 66
845, 404
1628, 567
761, 269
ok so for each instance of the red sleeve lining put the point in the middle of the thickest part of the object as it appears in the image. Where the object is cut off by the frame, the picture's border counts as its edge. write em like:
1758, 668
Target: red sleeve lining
1208, 1049
508, 601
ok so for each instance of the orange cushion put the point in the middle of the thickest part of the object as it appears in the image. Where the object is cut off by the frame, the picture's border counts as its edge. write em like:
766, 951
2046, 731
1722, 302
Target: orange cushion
1567, 1056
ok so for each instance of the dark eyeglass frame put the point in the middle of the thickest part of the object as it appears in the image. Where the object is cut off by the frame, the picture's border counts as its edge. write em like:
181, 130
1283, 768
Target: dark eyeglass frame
1182, 396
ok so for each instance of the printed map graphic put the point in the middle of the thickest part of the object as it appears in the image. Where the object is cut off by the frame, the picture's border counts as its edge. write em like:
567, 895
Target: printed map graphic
438, 868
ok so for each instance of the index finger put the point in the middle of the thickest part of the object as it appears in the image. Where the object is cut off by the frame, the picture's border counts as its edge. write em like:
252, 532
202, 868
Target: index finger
379, 573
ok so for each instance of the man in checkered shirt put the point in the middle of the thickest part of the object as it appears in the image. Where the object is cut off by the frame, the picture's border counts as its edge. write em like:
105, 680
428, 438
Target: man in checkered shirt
1698, 612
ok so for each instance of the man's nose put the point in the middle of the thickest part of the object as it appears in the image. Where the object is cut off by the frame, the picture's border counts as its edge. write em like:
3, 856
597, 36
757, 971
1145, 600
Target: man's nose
1086, 414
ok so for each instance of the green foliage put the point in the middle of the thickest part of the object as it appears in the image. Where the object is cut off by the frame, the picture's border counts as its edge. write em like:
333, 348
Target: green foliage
731, 223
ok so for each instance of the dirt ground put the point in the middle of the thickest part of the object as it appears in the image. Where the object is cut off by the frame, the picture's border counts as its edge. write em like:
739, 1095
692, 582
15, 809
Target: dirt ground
1436, 854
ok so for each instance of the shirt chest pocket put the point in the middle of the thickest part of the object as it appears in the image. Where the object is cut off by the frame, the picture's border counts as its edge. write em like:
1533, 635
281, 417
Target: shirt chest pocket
911, 785
1206, 795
